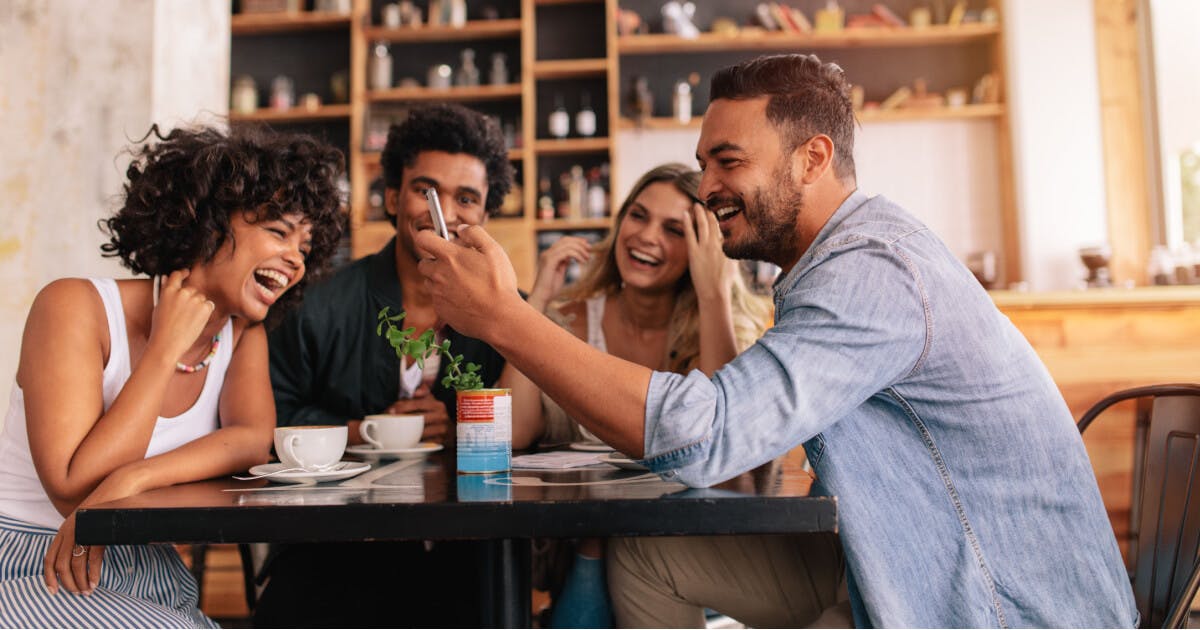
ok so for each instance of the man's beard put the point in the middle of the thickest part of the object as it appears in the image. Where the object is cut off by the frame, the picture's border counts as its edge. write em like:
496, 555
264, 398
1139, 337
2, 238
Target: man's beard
772, 216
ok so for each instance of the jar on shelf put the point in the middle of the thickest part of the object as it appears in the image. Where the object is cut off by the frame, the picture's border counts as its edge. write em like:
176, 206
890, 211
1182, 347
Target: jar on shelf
243, 98
681, 102
440, 76
381, 67
283, 93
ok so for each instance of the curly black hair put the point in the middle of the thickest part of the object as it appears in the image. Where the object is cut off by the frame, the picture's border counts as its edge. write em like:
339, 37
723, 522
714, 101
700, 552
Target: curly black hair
183, 188
453, 129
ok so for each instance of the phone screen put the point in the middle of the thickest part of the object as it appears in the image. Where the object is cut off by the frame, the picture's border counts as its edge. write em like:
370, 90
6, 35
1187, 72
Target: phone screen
435, 213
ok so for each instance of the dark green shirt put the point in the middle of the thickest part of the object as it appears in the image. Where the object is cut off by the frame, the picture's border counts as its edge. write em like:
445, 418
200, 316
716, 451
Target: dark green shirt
327, 364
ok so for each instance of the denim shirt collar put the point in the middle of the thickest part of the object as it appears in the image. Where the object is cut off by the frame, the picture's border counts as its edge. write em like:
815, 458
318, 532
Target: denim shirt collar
784, 282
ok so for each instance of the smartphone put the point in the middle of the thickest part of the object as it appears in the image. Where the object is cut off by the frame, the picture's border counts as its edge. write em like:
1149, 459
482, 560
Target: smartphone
435, 213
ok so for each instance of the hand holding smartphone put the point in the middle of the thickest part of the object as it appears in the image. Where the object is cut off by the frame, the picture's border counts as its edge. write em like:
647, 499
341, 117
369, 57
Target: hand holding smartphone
435, 213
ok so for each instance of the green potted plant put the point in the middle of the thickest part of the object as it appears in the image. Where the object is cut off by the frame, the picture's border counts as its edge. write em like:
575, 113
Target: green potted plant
484, 416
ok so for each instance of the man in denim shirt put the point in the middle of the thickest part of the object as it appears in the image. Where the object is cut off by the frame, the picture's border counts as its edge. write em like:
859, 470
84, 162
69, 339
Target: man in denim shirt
965, 496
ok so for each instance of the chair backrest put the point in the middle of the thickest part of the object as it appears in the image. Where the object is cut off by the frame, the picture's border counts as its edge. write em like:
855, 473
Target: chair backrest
1165, 543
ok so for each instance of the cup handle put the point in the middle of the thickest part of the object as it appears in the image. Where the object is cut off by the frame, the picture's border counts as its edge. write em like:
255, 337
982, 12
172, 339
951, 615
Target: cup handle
289, 446
364, 430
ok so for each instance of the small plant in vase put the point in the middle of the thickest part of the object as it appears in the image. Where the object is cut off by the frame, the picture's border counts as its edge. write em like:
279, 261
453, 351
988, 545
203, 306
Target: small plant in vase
483, 416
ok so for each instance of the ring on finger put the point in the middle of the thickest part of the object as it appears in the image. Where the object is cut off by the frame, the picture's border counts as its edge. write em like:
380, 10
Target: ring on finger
79, 550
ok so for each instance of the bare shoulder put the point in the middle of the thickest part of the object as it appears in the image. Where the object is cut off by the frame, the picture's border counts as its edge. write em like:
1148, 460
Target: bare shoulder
572, 316
73, 298
67, 317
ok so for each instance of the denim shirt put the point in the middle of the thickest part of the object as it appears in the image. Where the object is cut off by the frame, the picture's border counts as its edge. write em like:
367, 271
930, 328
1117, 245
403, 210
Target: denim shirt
965, 496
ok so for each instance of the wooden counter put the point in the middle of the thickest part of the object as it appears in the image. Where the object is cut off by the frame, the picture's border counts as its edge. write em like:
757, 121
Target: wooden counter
1096, 342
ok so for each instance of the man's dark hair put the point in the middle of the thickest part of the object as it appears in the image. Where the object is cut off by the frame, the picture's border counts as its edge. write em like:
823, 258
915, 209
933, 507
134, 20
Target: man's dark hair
453, 129
807, 97
182, 190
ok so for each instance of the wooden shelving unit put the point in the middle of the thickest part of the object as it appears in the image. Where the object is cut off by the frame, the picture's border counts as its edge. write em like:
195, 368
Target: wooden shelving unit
285, 22
537, 71
865, 116
456, 94
570, 68
570, 146
295, 114
473, 30
773, 41
546, 225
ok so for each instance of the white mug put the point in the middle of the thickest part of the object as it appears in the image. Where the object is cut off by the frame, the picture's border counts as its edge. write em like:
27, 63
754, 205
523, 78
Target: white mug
388, 432
313, 448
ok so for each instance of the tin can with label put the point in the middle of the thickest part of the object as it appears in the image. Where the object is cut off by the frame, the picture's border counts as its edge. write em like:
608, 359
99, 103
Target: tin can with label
484, 430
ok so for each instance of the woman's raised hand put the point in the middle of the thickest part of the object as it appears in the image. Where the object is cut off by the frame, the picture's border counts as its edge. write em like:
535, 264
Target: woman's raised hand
552, 268
179, 317
712, 271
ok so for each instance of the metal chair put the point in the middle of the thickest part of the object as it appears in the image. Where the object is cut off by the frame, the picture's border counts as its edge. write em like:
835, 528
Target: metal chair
1165, 515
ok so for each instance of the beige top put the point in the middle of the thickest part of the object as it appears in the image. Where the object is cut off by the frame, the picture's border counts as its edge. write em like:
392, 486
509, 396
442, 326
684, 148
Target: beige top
560, 428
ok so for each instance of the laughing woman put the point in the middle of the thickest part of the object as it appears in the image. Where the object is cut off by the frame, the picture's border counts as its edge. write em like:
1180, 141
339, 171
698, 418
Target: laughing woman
128, 385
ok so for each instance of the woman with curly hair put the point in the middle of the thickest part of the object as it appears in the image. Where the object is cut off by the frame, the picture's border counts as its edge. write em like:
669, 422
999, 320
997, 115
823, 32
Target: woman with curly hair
659, 292
124, 386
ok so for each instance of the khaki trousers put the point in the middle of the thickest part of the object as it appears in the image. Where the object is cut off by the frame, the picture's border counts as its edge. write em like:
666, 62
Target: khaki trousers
761, 581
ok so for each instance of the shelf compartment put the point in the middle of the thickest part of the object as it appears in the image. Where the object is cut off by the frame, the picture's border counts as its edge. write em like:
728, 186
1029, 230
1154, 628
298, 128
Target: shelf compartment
570, 68
294, 115
286, 22
472, 30
994, 110
371, 159
461, 94
569, 146
850, 38
864, 116
551, 3
547, 225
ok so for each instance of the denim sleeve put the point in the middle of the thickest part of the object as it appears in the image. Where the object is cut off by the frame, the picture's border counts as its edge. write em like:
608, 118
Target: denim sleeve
851, 324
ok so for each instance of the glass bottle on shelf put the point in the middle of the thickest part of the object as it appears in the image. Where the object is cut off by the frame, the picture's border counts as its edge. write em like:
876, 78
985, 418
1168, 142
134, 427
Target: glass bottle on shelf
498, 75
597, 197
468, 72
576, 193
681, 102
545, 202
585, 118
560, 122
381, 67
456, 14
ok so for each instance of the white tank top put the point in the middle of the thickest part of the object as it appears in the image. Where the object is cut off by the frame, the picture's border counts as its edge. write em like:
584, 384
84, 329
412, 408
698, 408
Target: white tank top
21, 493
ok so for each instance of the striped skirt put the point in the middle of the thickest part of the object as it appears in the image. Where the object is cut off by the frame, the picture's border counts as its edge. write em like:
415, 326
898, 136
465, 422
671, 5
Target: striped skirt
141, 586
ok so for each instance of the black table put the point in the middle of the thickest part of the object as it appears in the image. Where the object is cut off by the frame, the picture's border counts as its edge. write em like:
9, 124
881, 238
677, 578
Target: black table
427, 500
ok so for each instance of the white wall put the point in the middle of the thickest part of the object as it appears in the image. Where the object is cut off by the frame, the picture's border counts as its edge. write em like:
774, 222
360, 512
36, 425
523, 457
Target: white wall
1054, 102
1176, 25
80, 81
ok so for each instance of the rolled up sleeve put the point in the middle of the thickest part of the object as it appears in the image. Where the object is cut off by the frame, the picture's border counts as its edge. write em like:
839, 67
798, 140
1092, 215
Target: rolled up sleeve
848, 325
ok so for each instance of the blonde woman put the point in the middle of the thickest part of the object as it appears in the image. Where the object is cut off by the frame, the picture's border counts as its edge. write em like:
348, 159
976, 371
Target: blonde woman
658, 291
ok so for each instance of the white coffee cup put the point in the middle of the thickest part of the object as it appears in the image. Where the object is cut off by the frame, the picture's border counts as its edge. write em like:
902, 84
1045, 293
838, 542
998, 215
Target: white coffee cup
389, 432
313, 448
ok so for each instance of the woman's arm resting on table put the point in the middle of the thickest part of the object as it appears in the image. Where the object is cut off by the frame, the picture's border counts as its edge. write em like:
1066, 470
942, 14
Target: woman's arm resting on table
475, 290
244, 439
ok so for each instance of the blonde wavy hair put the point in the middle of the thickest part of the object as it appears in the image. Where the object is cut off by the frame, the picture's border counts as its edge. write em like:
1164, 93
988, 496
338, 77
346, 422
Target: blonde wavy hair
750, 312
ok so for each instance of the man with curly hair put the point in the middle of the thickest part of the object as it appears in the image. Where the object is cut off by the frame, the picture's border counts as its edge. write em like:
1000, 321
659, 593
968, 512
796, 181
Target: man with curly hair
328, 366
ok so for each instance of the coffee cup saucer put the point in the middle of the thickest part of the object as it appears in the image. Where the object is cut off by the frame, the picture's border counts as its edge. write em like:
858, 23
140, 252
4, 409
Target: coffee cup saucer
369, 451
348, 469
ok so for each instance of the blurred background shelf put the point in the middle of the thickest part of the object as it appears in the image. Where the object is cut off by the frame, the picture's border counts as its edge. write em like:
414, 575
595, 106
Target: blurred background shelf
294, 115
286, 22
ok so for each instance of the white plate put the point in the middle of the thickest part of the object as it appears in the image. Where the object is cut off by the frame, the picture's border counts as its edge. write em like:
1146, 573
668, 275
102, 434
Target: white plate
370, 452
620, 461
349, 470
592, 447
